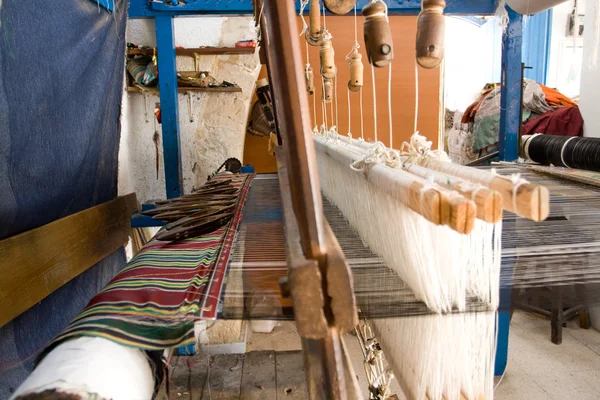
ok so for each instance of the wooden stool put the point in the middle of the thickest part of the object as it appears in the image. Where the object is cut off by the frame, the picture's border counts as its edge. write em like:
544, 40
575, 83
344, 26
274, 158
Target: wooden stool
558, 314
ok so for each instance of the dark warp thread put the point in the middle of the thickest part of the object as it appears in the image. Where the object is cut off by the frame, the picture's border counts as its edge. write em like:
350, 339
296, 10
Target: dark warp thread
580, 153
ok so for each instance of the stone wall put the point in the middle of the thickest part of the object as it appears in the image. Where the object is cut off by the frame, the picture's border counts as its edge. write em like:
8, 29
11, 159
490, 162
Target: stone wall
219, 119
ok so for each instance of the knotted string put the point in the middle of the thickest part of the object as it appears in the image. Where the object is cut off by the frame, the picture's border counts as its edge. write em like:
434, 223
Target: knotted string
377, 154
517, 182
303, 4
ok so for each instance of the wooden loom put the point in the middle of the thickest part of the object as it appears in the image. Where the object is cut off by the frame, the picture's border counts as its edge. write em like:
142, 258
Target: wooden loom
456, 199
320, 281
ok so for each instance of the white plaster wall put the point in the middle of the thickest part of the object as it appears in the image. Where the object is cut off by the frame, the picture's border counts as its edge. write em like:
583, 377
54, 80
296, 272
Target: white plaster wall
590, 91
219, 119
590, 73
564, 63
472, 59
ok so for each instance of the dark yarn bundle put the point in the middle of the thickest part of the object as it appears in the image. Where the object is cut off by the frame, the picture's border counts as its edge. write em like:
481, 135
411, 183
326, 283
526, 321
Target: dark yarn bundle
562, 151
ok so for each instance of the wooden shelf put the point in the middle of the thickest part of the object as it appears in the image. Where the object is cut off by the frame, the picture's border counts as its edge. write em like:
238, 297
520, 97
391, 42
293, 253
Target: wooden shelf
200, 51
154, 90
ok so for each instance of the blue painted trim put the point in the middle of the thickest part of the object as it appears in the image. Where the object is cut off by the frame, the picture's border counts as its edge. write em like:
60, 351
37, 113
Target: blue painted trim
143, 221
502, 332
167, 84
510, 94
548, 45
149, 9
188, 350
536, 45
108, 4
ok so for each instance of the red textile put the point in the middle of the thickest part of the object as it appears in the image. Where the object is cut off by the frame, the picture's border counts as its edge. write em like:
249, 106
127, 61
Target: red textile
564, 121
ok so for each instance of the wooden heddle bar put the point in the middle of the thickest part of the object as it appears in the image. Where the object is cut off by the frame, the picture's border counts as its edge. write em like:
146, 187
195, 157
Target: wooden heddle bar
37, 262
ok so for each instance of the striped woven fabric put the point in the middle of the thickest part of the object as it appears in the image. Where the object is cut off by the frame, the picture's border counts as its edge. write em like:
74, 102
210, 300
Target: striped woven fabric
155, 300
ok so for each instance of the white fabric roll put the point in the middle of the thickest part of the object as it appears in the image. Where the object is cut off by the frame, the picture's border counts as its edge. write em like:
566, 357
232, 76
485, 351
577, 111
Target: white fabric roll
530, 7
93, 365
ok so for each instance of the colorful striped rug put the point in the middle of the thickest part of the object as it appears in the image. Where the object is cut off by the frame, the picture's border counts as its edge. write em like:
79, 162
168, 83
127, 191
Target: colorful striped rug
155, 300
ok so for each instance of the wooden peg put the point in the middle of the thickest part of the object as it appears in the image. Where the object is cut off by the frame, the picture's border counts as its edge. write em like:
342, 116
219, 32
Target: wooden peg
430, 34
531, 201
457, 212
310, 80
378, 37
328, 90
327, 54
314, 35
356, 73
488, 202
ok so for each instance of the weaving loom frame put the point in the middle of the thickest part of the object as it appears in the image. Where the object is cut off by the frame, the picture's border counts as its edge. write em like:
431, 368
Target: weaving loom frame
511, 87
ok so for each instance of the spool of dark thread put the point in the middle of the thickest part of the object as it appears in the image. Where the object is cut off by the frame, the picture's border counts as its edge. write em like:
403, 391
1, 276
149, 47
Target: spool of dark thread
565, 151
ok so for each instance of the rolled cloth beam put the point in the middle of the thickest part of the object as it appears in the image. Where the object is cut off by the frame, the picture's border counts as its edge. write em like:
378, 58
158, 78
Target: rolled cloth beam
530, 7
89, 366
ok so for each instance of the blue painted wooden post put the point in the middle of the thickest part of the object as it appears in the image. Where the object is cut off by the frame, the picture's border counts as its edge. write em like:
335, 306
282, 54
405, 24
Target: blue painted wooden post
510, 103
167, 84
510, 100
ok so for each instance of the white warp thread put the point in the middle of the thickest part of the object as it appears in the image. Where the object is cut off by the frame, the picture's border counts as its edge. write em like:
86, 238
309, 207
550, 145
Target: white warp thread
440, 265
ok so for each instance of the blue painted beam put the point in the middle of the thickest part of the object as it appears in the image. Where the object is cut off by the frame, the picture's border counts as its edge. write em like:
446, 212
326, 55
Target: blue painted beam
536, 45
149, 9
167, 85
510, 94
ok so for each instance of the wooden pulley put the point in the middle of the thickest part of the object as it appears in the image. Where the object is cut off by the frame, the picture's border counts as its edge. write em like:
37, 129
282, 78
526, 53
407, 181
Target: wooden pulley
327, 53
356, 73
431, 25
378, 37
310, 79
327, 90
314, 35
339, 7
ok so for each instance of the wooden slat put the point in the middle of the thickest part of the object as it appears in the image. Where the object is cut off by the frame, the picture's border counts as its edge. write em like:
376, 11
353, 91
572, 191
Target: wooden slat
291, 382
224, 377
198, 373
258, 376
200, 51
180, 379
37, 262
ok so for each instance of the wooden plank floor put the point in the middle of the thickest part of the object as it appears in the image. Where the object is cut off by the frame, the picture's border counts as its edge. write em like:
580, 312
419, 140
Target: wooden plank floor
264, 375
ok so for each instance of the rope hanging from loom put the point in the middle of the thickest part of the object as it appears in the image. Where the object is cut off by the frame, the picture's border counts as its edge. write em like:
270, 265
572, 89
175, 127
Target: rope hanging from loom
562, 151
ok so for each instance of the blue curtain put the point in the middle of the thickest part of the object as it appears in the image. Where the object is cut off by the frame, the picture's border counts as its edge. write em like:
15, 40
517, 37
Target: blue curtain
61, 75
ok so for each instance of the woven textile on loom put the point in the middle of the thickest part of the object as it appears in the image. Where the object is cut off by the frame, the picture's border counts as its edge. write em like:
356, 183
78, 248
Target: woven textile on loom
155, 300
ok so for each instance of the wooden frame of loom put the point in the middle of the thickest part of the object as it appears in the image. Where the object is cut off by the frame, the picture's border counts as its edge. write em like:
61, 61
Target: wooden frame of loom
313, 254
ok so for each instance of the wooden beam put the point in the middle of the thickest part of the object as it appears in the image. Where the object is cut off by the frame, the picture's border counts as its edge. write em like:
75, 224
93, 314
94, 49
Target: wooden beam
37, 262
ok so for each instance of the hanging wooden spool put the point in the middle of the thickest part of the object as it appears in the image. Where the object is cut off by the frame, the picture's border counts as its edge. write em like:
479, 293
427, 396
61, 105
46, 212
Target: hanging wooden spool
356, 73
310, 80
327, 54
378, 37
339, 7
314, 35
430, 33
328, 90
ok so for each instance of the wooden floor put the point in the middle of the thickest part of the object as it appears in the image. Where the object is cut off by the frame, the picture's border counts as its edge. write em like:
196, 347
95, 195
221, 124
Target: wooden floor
264, 375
